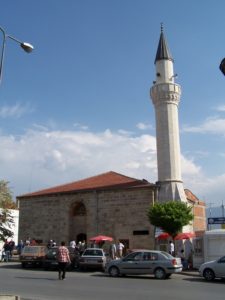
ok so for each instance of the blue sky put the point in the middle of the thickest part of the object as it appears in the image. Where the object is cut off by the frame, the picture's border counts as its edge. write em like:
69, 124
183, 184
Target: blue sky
79, 104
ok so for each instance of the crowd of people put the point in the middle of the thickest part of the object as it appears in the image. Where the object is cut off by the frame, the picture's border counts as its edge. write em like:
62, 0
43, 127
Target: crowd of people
7, 250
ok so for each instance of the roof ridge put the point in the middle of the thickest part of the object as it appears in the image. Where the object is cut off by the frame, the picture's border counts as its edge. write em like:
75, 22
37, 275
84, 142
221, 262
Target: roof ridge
103, 180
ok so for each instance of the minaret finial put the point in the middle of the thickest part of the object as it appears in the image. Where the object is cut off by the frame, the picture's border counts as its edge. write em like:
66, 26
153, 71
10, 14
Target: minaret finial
161, 27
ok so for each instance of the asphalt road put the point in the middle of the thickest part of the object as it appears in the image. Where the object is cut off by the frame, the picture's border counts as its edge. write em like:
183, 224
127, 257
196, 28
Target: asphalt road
39, 284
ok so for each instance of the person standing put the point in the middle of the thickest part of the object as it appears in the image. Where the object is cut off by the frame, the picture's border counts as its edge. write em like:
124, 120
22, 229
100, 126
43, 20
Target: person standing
112, 251
73, 244
171, 248
63, 258
7, 250
120, 247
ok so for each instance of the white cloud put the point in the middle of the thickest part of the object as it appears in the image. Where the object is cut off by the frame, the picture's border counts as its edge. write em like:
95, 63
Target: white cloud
144, 126
211, 125
221, 107
40, 159
15, 111
80, 126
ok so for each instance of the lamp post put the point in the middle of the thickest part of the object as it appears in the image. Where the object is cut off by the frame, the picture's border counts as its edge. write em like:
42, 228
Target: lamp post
26, 47
222, 66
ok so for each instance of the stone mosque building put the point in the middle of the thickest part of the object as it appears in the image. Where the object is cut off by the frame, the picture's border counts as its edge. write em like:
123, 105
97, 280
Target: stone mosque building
113, 204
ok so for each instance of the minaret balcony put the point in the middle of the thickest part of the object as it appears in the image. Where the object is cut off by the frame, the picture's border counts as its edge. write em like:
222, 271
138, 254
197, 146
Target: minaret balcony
165, 92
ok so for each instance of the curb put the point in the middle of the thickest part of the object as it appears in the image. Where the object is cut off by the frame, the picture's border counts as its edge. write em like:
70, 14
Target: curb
190, 273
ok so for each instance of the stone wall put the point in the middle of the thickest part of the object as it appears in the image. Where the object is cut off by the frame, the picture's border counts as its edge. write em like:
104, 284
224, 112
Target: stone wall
120, 213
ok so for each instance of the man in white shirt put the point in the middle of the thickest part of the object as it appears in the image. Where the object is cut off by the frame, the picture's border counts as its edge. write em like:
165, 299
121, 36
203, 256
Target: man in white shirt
73, 244
171, 248
120, 247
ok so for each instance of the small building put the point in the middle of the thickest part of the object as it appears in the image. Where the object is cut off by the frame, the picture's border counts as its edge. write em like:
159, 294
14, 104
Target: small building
108, 204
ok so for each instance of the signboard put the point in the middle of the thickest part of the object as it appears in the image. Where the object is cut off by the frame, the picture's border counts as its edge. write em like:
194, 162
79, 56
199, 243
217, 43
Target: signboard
216, 220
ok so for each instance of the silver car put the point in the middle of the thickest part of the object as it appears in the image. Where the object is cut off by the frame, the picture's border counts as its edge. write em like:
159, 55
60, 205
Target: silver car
159, 263
92, 258
213, 269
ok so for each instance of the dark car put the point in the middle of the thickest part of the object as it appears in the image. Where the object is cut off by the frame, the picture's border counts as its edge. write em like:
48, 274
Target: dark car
50, 261
33, 256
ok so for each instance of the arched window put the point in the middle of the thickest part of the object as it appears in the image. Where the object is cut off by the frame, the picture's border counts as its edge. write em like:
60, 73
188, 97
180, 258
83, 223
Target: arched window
79, 210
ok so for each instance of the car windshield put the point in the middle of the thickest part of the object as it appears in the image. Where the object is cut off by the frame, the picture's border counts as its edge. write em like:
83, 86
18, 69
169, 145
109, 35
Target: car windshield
93, 252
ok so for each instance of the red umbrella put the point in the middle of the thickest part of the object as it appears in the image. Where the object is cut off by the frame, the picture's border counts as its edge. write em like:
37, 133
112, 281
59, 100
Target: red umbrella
163, 236
101, 238
184, 235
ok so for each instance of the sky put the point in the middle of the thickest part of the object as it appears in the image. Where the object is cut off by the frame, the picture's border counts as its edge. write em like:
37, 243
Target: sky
79, 104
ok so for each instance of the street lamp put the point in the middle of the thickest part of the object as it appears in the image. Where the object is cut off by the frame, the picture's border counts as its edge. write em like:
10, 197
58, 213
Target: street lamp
222, 66
26, 47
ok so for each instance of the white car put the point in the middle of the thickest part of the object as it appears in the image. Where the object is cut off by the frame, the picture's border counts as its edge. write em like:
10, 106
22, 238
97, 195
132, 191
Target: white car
159, 263
92, 258
213, 269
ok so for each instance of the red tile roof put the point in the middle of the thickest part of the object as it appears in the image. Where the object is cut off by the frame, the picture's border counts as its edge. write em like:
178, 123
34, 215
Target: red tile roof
190, 196
102, 181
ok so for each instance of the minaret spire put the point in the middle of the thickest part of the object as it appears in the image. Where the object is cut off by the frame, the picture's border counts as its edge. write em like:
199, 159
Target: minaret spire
163, 51
165, 94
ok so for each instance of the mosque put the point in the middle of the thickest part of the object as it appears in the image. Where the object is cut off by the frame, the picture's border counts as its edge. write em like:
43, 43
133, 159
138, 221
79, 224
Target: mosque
114, 204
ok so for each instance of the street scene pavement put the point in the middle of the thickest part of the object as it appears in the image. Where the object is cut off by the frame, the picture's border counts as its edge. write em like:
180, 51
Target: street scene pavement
34, 284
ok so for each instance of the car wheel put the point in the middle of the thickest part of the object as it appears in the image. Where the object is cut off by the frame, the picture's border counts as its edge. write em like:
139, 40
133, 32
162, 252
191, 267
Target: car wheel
208, 274
160, 273
114, 272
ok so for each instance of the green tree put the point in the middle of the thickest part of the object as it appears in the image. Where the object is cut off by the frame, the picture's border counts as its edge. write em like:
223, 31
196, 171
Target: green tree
170, 216
6, 203
6, 223
6, 198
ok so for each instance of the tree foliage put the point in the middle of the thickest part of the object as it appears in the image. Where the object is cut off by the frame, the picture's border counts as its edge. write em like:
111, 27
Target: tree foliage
6, 198
6, 203
6, 223
170, 216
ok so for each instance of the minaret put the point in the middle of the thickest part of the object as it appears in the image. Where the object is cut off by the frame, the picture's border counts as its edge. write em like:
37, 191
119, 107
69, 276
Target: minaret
165, 94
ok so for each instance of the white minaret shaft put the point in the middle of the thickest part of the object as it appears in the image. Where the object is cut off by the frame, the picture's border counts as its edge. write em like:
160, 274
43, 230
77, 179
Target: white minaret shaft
165, 94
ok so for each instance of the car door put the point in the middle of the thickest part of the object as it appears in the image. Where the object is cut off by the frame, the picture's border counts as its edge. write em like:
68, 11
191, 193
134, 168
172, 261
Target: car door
220, 267
131, 264
149, 262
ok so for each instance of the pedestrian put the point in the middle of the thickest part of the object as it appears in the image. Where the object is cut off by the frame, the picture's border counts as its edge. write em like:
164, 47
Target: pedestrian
94, 244
73, 244
11, 246
120, 247
63, 259
183, 259
171, 248
7, 250
20, 247
112, 251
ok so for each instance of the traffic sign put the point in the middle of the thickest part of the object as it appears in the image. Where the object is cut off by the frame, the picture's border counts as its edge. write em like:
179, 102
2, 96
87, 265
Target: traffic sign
216, 220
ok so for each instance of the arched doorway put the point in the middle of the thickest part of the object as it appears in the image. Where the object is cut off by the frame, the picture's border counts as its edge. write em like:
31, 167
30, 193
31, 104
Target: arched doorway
78, 224
81, 237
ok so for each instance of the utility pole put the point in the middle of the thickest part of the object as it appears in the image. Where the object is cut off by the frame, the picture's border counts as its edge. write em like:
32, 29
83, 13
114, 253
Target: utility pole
222, 207
210, 214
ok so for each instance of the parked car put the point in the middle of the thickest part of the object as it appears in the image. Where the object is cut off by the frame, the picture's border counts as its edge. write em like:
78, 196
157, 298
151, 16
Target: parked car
213, 269
50, 260
33, 255
159, 263
94, 258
